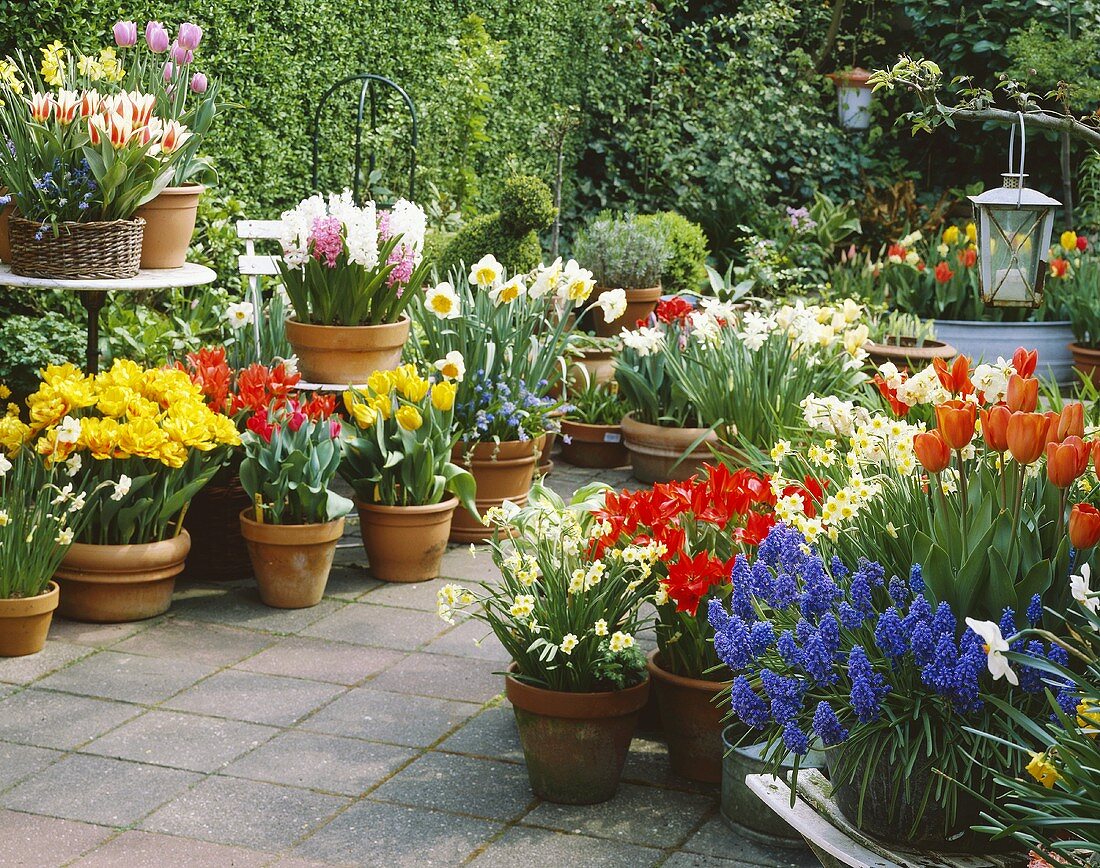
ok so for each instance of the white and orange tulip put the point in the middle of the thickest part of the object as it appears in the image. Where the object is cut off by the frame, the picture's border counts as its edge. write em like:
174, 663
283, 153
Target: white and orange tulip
175, 136
89, 103
67, 106
41, 107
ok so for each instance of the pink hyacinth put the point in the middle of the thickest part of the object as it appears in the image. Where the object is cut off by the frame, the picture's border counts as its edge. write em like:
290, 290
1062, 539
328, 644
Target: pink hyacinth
327, 240
384, 224
403, 260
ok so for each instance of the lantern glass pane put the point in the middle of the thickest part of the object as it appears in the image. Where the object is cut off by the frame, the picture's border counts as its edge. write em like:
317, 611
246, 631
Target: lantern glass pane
1016, 252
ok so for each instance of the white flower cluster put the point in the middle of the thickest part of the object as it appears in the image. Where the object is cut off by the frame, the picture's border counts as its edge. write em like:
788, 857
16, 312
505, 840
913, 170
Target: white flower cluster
645, 341
569, 285
360, 227
832, 415
810, 327
406, 219
924, 387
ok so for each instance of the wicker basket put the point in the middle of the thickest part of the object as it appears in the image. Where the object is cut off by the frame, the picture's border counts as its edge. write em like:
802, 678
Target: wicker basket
218, 551
79, 251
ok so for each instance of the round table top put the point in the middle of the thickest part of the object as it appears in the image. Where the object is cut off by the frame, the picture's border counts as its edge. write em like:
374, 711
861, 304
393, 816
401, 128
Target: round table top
189, 274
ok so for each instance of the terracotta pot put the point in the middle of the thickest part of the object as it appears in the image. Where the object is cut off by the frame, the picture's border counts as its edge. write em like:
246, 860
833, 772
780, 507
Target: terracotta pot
502, 473
575, 744
169, 225
906, 355
546, 461
346, 355
1086, 361
25, 621
5, 246
218, 551
593, 445
111, 584
640, 303
291, 561
656, 451
692, 722
598, 364
405, 543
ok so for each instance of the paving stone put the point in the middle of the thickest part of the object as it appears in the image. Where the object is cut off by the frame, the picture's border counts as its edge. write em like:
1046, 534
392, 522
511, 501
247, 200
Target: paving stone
29, 840
199, 642
241, 607
255, 698
716, 838
59, 720
369, 833
491, 734
459, 565
321, 660
648, 763
471, 638
407, 595
17, 761
98, 790
383, 626
24, 670
128, 677
96, 635
696, 860
150, 850
182, 741
321, 762
392, 717
350, 579
433, 675
640, 815
448, 782
522, 847
244, 813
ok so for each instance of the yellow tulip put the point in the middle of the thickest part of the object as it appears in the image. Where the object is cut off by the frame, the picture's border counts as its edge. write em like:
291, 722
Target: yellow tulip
380, 382
409, 418
415, 388
951, 235
971, 232
363, 415
382, 405
1068, 240
443, 396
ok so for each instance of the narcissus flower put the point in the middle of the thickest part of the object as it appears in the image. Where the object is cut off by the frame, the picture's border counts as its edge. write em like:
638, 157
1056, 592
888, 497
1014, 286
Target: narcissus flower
1043, 770
443, 301
486, 272
995, 647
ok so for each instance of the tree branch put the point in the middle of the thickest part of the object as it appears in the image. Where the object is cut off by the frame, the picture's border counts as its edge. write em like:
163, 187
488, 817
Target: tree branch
831, 35
1044, 120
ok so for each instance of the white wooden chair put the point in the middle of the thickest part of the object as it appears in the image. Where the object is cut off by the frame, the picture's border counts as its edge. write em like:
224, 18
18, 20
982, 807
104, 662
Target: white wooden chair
257, 266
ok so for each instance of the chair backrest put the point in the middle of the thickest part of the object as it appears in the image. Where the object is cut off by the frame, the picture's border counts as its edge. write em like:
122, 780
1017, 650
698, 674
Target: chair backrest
257, 266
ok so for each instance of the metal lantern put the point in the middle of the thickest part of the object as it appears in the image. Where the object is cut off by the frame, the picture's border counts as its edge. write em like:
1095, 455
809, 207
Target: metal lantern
1014, 228
853, 98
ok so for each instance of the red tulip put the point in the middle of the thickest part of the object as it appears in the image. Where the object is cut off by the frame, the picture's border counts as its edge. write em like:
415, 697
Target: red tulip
1024, 361
1084, 526
943, 273
1071, 422
955, 421
1026, 436
1023, 394
995, 427
1082, 243
955, 379
1059, 267
1066, 461
932, 451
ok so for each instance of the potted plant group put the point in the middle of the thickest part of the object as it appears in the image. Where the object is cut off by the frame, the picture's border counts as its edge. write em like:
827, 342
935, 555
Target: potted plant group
291, 456
1074, 277
591, 430
350, 273
628, 255
397, 458
905, 341
137, 445
568, 618
591, 357
84, 154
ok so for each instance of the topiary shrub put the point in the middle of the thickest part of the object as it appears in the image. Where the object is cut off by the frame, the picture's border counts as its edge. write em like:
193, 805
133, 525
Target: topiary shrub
685, 267
511, 233
623, 252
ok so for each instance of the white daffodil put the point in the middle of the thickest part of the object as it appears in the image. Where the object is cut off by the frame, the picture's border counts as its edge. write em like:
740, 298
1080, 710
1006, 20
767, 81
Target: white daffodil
240, 314
995, 647
546, 279
568, 643
1080, 588
487, 272
443, 301
508, 292
452, 366
122, 487
69, 430
5, 465
613, 304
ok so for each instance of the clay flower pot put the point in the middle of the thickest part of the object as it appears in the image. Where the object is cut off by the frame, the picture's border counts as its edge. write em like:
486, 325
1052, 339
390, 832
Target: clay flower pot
25, 621
593, 445
640, 303
291, 562
906, 355
598, 364
405, 543
1086, 361
5, 245
575, 744
111, 584
655, 451
346, 355
692, 722
503, 472
169, 225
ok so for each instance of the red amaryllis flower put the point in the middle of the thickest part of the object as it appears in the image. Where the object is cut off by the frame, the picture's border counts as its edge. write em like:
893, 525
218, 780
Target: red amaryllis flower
943, 272
691, 578
956, 378
1024, 361
900, 408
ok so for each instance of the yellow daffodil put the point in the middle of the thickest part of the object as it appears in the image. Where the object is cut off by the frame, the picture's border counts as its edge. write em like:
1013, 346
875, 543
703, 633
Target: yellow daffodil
53, 64
971, 232
1043, 770
409, 418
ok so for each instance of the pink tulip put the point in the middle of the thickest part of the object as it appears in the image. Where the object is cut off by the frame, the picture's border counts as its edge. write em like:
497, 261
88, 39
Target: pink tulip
125, 34
169, 71
181, 55
199, 83
156, 37
190, 36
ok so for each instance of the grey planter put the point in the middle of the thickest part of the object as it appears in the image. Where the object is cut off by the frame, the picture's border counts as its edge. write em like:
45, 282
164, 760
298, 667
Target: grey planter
989, 340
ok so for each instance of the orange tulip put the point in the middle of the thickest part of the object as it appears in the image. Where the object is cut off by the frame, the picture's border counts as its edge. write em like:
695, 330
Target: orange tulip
1023, 394
995, 427
955, 379
932, 451
1026, 436
1055, 419
1067, 460
1071, 423
1084, 526
955, 421
1024, 361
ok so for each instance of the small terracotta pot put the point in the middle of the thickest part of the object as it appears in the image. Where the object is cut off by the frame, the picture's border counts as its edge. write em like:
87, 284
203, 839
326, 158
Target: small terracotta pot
692, 722
169, 225
501, 473
1086, 361
25, 621
291, 562
656, 451
906, 355
112, 584
593, 445
546, 462
575, 744
405, 543
346, 355
640, 303
5, 245
599, 365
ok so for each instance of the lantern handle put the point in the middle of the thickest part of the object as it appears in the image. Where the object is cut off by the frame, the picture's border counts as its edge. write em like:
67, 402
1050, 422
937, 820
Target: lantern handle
1023, 150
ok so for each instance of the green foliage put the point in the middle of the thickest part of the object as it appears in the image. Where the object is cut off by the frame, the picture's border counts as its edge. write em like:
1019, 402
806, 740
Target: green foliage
687, 251
29, 343
623, 252
510, 234
1044, 55
594, 403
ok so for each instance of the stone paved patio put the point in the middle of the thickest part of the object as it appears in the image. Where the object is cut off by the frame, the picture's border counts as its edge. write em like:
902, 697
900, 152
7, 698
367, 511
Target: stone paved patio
364, 731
